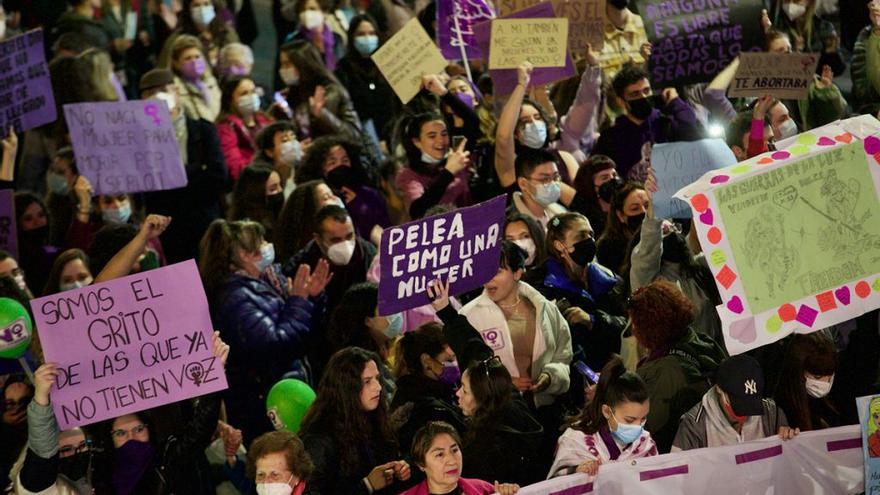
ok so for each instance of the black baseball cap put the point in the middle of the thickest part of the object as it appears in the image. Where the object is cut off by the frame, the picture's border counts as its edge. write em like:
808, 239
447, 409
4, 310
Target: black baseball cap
742, 379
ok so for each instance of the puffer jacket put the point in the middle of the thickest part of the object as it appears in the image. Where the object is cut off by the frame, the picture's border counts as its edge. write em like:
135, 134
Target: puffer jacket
268, 334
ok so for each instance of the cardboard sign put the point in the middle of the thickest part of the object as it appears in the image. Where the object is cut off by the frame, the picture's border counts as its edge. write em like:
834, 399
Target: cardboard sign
406, 57
792, 237
679, 164
128, 345
505, 80
695, 40
8, 232
455, 26
782, 75
586, 19
462, 246
542, 42
26, 99
125, 147
869, 422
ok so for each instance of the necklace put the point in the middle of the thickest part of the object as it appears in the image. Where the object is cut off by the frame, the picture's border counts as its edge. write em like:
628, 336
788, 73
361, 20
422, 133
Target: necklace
512, 307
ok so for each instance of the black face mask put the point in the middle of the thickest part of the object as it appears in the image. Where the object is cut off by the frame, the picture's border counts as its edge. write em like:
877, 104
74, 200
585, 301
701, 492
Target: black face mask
34, 237
619, 4
641, 108
275, 202
75, 467
635, 223
341, 177
675, 248
607, 189
584, 252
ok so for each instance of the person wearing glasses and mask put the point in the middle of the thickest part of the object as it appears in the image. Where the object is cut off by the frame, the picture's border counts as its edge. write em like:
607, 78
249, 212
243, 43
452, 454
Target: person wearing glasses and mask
538, 181
503, 438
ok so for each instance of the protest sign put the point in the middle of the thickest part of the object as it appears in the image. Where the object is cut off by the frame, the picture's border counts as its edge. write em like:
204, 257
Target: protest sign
541, 42
462, 246
26, 98
869, 422
8, 232
586, 19
814, 462
782, 75
125, 146
455, 26
406, 57
128, 345
679, 164
792, 237
693, 40
505, 80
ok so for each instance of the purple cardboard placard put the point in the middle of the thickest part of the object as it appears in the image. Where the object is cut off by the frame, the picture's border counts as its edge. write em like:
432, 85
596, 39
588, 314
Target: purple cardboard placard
125, 147
462, 246
8, 232
469, 13
128, 345
26, 98
505, 79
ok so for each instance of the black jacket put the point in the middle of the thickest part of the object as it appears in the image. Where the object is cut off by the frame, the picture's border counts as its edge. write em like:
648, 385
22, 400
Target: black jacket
418, 400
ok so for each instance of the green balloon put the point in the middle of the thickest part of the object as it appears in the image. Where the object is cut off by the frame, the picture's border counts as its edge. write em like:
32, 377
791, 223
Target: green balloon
15, 329
287, 403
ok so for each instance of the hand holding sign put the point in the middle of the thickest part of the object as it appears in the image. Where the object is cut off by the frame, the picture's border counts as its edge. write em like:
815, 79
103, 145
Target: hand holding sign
220, 348
438, 292
10, 143
524, 74
432, 83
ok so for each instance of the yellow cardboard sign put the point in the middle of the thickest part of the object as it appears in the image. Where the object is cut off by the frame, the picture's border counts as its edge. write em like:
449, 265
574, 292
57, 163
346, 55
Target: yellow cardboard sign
406, 57
542, 42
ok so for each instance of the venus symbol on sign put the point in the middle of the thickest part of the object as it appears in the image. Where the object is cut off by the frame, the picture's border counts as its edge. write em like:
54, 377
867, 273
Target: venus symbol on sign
151, 110
195, 372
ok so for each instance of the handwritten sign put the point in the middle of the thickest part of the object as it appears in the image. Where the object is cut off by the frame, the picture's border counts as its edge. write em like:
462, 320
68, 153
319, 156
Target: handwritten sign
128, 345
694, 41
505, 80
462, 246
679, 164
406, 57
125, 147
455, 26
783, 75
26, 99
539, 41
8, 232
869, 422
586, 19
792, 237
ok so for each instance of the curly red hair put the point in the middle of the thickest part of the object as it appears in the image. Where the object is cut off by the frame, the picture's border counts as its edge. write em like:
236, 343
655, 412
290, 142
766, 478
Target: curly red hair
660, 314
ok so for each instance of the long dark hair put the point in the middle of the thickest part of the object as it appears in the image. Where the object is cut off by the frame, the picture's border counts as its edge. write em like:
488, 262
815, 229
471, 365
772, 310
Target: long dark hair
412, 129
616, 386
337, 410
614, 228
355, 22
249, 197
812, 353
347, 326
312, 71
534, 231
54, 280
583, 181
228, 85
312, 166
492, 388
296, 222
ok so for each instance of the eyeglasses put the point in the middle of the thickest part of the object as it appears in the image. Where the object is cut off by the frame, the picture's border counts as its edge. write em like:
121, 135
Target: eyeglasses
548, 180
136, 430
69, 450
13, 404
491, 362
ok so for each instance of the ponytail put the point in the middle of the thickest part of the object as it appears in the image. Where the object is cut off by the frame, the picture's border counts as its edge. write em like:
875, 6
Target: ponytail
616, 386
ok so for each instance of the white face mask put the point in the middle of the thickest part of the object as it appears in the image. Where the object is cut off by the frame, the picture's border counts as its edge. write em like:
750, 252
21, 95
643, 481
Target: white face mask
291, 152
311, 19
248, 104
168, 98
787, 129
527, 245
275, 488
203, 15
289, 75
341, 252
534, 134
76, 284
818, 388
793, 11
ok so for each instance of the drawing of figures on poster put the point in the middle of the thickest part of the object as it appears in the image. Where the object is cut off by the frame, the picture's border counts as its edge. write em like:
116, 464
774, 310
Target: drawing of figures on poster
804, 228
869, 420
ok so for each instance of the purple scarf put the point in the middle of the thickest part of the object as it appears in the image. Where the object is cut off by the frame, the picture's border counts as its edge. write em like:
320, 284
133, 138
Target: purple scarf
130, 463
329, 45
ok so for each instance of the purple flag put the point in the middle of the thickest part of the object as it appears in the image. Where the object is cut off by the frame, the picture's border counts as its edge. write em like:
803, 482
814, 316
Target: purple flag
26, 99
462, 246
468, 13
8, 233
505, 80
128, 345
126, 146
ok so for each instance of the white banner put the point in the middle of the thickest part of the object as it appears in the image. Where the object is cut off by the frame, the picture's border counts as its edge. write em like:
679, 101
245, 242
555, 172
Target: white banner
816, 462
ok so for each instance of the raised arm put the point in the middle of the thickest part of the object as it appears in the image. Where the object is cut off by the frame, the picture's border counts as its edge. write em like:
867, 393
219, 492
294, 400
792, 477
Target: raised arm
120, 264
504, 142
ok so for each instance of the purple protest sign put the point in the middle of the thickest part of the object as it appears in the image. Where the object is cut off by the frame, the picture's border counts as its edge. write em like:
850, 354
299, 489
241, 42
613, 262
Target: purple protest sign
462, 246
126, 146
128, 345
8, 233
454, 16
505, 80
26, 99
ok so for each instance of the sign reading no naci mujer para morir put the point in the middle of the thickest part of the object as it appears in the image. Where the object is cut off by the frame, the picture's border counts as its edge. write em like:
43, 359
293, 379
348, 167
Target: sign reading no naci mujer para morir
462, 246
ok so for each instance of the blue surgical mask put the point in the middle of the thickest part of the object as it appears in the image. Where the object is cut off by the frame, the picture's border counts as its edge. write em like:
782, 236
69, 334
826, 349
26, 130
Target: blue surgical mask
395, 326
267, 256
117, 215
203, 15
547, 194
366, 44
626, 434
248, 104
535, 134
57, 183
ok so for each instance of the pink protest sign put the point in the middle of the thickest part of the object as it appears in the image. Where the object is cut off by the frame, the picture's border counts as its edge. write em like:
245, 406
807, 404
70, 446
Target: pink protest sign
125, 146
127, 345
